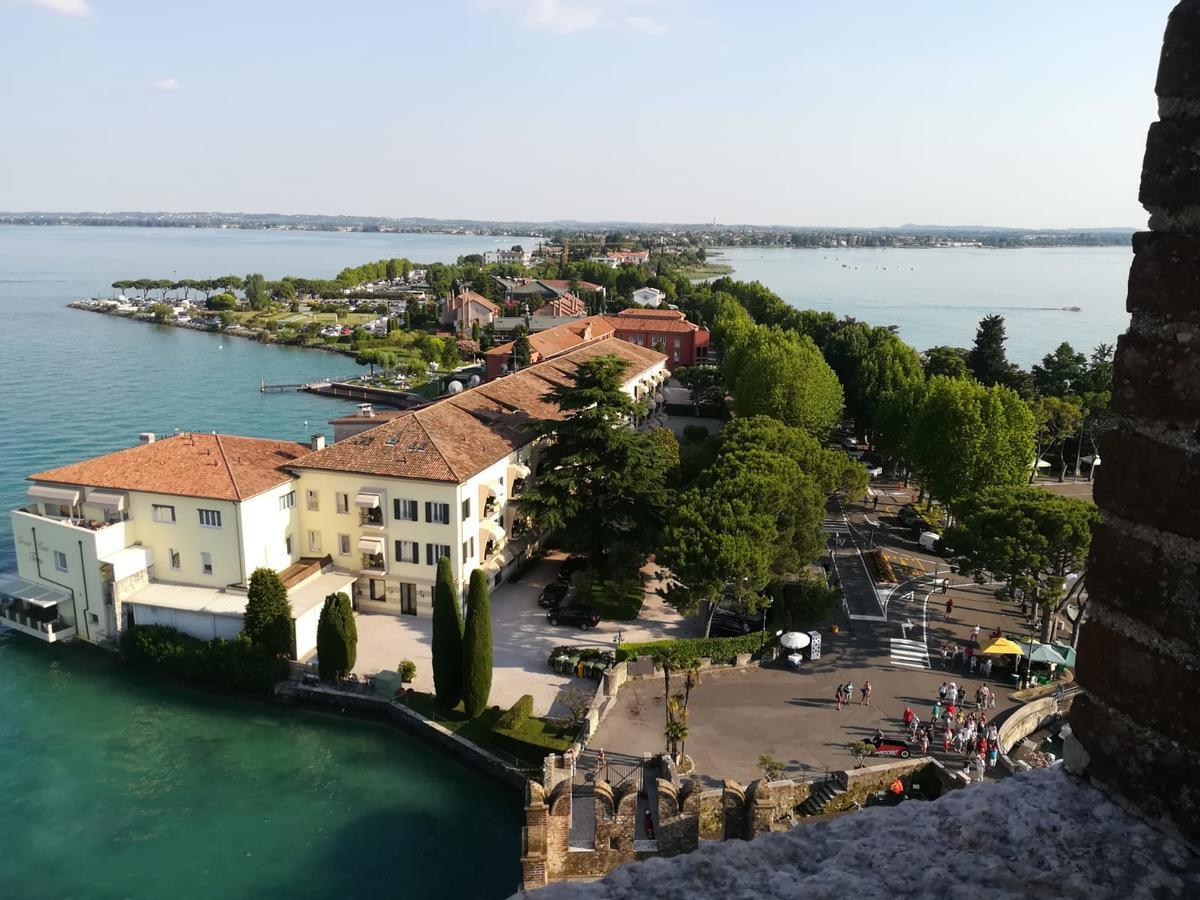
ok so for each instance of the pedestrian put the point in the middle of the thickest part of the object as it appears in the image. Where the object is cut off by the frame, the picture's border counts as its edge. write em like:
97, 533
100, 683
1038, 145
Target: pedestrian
937, 709
841, 690
602, 764
945, 656
993, 754
962, 695
908, 716
979, 767
949, 607
983, 696
875, 502
924, 743
992, 701
970, 663
975, 634
942, 692
866, 694
947, 737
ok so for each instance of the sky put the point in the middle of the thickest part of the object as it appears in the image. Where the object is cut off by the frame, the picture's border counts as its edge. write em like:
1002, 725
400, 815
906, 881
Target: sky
793, 112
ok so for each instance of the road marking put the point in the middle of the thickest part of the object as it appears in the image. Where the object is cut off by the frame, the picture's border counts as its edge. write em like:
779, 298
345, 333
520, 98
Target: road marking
867, 618
910, 654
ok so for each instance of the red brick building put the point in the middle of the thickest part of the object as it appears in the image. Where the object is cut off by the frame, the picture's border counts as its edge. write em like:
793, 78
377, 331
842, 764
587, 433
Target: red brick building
684, 343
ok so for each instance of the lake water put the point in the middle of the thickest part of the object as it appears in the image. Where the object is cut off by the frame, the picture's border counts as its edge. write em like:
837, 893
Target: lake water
112, 786
938, 296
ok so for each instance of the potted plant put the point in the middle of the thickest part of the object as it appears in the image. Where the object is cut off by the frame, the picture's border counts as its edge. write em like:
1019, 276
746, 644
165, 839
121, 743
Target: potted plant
407, 670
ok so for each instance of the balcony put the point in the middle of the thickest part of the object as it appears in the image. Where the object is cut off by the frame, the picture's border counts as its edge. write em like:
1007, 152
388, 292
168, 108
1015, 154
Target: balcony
29, 622
76, 519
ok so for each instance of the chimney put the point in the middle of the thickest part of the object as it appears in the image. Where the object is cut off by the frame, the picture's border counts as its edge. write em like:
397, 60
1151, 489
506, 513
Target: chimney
318, 442
146, 437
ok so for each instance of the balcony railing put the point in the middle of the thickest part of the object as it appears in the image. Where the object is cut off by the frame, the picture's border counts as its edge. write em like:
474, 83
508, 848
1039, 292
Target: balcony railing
77, 521
26, 620
490, 507
371, 518
372, 563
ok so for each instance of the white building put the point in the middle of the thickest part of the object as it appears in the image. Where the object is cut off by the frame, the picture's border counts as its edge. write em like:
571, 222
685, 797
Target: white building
507, 257
169, 531
648, 296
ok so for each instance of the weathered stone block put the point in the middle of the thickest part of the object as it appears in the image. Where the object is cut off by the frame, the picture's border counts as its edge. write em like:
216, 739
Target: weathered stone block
1164, 280
1179, 65
1145, 582
1171, 171
1158, 775
1141, 681
1158, 380
1151, 483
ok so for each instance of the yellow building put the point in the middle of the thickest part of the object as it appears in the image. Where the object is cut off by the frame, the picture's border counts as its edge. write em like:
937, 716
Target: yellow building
169, 531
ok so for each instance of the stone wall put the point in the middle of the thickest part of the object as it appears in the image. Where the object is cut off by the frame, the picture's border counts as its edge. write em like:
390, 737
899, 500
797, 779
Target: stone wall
1138, 727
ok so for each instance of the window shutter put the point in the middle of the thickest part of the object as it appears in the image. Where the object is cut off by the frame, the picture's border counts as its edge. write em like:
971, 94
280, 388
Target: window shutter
428, 511
396, 510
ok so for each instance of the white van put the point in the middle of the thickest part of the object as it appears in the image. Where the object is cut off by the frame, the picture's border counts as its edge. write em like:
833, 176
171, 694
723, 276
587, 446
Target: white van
928, 540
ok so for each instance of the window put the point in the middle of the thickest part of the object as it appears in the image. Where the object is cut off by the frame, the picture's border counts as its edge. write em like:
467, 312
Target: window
437, 512
408, 552
434, 552
60, 560
678, 342
404, 510
210, 518
466, 509
288, 500
314, 542
378, 590
468, 550
287, 545
344, 544
164, 514
313, 503
343, 503
174, 558
206, 563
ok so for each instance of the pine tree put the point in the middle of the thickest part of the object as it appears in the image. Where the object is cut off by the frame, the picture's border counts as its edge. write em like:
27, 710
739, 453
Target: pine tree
447, 638
337, 638
987, 360
268, 618
477, 647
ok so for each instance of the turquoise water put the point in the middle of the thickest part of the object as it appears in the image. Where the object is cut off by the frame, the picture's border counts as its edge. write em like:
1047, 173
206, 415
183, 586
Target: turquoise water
938, 296
115, 787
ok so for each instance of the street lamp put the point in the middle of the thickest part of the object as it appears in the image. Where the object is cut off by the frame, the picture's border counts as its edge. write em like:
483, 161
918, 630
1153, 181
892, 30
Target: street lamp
617, 640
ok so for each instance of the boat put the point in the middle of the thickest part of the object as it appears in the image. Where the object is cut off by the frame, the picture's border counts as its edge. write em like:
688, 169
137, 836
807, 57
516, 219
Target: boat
1072, 309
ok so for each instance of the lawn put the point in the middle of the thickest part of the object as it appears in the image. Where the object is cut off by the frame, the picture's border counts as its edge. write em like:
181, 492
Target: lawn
616, 597
529, 742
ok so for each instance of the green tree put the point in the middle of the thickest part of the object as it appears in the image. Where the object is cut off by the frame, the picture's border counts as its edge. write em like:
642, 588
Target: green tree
392, 270
255, 287
1028, 538
893, 420
1060, 373
283, 290
221, 301
870, 363
775, 373
1055, 419
948, 361
161, 313
477, 647
967, 437
522, 352
601, 485
268, 618
337, 638
447, 638
987, 359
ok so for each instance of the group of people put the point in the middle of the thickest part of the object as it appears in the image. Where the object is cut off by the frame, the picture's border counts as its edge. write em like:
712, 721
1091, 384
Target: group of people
966, 657
960, 730
845, 693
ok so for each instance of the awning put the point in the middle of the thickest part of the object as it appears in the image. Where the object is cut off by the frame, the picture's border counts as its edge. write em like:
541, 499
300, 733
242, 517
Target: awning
490, 529
516, 471
32, 591
106, 500
372, 545
366, 500
66, 496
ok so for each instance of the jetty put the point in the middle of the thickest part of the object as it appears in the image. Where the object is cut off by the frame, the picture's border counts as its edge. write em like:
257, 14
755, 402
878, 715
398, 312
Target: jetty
345, 391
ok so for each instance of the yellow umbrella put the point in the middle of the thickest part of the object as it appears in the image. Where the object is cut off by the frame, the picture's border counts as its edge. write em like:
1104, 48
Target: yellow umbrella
1002, 646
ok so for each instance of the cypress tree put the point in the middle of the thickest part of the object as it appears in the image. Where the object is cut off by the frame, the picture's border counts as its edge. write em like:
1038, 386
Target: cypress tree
447, 638
477, 647
337, 638
268, 617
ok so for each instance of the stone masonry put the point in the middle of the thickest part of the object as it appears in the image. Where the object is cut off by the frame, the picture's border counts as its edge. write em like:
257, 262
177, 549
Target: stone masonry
1138, 726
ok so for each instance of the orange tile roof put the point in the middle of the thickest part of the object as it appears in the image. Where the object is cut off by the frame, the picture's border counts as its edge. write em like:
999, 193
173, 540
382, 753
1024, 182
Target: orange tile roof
561, 338
461, 300
461, 434
651, 324
566, 305
212, 466
564, 284
643, 313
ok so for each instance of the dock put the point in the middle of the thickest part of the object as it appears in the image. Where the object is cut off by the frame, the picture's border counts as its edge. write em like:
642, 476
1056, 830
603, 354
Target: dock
344, 391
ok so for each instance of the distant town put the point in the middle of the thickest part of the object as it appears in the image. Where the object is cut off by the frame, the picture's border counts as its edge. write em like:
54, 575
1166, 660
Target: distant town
653, 234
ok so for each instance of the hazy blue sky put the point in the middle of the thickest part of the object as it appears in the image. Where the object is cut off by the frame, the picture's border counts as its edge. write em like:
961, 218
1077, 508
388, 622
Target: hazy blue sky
1024, 112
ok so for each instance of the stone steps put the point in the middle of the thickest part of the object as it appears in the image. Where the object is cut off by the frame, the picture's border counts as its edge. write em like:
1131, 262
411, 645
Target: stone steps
819, 798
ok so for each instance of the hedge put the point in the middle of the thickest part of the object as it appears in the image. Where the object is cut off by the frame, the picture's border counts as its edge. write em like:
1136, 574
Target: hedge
567, 660
234, 665
690, 650
517, 713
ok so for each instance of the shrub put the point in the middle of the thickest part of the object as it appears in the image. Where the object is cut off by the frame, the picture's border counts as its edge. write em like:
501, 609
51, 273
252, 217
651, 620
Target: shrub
688, 651
407, 670
447, 638
234, 665
879, 567
337, 638
566, 661
268, 618
771, 768
515, 715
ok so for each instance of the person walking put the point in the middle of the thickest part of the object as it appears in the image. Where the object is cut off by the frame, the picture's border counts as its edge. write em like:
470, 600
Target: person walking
949, 607
942, 692
975, 634
839, 696
875, 502
937, 710
947, 737
979, 767
866, 694
993, 754
992, 700
924, 743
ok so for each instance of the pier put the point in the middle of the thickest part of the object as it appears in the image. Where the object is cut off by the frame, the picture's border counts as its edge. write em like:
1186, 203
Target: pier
344, 391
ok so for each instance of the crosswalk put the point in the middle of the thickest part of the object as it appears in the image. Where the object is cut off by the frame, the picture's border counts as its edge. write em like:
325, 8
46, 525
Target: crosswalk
910, 654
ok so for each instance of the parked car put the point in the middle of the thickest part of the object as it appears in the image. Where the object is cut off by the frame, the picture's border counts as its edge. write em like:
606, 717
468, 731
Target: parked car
552, 594
891, 747
727, 623
576, 562
583, 616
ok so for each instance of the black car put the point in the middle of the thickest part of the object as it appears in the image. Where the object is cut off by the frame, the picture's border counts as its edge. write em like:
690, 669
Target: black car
583, 616
552, 594
572, 564
726, 623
